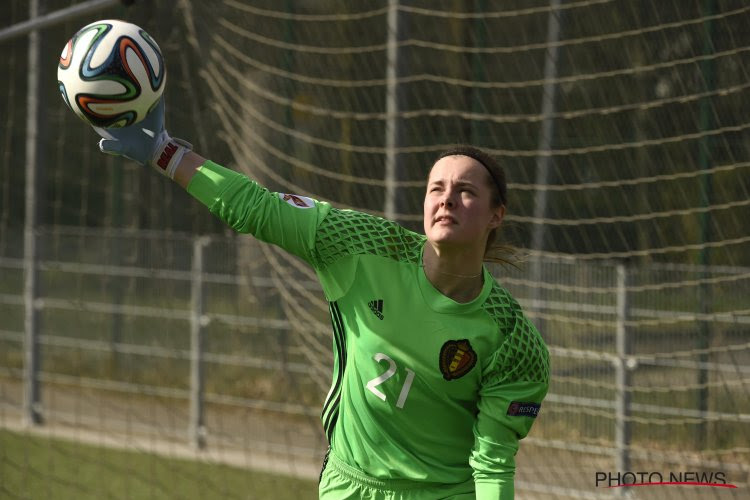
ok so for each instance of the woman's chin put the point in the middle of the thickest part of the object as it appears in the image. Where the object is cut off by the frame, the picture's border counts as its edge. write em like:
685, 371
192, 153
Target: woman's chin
446, 237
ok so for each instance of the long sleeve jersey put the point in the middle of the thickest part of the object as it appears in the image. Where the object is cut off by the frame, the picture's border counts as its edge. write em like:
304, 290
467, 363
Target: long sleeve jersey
424, 388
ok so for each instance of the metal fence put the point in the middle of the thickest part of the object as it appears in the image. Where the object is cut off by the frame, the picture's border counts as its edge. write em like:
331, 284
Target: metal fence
185, 339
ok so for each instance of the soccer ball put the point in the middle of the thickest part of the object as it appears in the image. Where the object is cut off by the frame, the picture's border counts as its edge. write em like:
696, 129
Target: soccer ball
111, 73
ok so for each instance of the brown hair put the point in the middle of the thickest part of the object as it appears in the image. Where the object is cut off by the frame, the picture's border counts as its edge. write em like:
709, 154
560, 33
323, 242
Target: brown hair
493, 251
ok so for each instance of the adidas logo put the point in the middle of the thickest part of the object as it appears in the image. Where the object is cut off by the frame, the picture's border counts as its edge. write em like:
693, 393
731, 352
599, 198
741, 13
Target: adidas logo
376, 306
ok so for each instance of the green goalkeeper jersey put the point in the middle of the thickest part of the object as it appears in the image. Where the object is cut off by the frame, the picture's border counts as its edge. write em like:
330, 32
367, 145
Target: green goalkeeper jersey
424, 388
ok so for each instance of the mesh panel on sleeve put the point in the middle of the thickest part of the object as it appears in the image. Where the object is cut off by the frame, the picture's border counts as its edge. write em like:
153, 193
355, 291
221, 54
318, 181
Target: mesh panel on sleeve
347, 232
523, 356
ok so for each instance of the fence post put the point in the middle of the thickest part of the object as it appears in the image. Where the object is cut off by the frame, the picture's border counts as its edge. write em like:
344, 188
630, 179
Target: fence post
31, 394
706, 161
392, 103
544, 161
622, 373
196, 428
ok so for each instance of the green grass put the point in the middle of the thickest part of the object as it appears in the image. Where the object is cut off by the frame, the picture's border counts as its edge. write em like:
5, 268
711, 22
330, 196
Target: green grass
33, 467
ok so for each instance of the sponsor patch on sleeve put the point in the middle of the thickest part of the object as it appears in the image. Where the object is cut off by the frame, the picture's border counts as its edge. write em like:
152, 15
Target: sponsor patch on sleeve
297, 201
522, 409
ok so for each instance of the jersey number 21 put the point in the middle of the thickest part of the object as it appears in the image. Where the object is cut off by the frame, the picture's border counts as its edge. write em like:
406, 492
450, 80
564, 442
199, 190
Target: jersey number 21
373, 384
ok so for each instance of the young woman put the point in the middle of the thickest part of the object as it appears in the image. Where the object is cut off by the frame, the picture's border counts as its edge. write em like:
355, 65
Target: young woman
437, 373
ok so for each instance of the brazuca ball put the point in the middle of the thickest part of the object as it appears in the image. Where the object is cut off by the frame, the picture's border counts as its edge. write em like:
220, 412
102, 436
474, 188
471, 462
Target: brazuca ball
111, 73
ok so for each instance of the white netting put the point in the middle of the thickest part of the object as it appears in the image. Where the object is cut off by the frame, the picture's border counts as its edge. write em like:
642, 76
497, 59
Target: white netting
622, 126
643, 165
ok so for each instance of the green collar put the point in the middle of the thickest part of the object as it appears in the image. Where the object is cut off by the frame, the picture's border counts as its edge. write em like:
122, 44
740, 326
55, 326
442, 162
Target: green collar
443, 304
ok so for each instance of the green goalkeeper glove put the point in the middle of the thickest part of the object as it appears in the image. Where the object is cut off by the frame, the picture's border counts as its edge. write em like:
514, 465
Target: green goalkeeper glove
146, 142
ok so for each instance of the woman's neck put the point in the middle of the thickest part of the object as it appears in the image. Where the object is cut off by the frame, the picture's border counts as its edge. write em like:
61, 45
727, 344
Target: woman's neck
455, 273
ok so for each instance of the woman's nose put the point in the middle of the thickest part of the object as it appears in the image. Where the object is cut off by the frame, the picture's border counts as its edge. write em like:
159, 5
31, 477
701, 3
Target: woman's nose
447, 199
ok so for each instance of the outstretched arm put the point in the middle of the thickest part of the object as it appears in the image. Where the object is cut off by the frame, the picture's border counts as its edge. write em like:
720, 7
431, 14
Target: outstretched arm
290, 221
240, 202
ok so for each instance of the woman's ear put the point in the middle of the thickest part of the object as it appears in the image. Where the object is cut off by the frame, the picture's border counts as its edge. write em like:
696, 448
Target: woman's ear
497, 216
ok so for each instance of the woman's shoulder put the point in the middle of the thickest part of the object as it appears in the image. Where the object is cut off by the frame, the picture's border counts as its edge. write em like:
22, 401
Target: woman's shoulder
502, 307
521, 351
351, 232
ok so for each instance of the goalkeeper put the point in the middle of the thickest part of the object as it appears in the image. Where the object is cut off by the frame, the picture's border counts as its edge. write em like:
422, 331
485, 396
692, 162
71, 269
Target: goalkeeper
437, 373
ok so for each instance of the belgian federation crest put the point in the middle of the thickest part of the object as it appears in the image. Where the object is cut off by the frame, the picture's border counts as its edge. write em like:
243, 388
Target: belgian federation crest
457, 358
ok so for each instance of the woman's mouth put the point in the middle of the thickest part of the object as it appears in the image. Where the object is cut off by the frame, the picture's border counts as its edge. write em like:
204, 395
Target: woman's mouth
445, 220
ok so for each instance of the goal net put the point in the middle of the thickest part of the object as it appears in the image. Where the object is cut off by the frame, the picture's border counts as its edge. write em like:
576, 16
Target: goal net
623, 130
